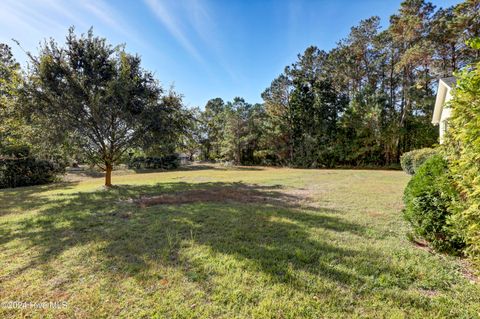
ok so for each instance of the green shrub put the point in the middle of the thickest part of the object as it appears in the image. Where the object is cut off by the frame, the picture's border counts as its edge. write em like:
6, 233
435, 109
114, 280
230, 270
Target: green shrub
430, 199
15, 172
406, 161
166, 162
463, 148
17, 151
412, 160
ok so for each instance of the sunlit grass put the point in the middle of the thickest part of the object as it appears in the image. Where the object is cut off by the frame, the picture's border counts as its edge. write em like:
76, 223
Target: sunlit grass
298, 243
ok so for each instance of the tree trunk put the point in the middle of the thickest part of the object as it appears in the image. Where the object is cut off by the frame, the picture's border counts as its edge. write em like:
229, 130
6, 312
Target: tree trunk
108, 174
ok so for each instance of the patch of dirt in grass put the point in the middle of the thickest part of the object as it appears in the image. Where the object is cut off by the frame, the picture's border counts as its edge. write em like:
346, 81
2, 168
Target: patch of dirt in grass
207, 195
240, 193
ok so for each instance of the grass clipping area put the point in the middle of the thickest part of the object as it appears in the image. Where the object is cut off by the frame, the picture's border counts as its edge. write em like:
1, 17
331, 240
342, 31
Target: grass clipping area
212, 242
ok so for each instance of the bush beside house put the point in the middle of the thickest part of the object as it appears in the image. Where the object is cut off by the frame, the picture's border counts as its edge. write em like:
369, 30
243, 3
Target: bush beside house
430, 199
442, 200
411, 161
463, 149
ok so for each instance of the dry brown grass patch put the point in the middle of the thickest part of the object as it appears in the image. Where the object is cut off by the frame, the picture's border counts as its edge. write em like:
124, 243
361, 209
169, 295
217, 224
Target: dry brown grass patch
240, 194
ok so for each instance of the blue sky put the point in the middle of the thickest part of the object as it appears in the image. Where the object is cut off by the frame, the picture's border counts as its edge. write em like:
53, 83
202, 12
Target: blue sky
204, 48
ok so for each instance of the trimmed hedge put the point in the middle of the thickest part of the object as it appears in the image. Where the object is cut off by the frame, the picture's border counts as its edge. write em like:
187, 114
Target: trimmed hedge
430, 199
166, 162
462, 145
412, 160
15, 172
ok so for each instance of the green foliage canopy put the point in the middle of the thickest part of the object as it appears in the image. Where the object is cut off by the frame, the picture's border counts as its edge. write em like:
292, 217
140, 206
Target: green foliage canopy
102, 96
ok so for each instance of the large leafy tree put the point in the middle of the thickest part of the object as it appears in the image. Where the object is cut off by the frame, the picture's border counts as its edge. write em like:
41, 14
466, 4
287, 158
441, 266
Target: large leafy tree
278, 137
165, 125
214, 122
307, 105
466, 22
12, 126
409, 31
243, 131
194, 135
101, 95
233, 131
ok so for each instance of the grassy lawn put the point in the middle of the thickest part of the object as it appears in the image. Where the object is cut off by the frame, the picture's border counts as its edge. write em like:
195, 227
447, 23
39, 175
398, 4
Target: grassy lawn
210, 242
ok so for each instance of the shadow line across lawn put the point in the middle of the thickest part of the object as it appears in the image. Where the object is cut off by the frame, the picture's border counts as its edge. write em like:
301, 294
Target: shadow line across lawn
96, 173
267, 227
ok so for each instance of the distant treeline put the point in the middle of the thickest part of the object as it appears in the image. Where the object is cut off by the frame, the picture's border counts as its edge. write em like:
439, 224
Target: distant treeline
363, 103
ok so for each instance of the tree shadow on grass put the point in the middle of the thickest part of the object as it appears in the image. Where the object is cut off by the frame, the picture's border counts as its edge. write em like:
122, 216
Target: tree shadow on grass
267, 227
29, 197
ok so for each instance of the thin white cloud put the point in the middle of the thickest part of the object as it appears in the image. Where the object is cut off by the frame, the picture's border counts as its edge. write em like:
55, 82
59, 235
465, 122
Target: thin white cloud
198, 20
204, 25
29, 23
108, 16
28, 16
172, 25
104, 13
32, 21
64, 11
